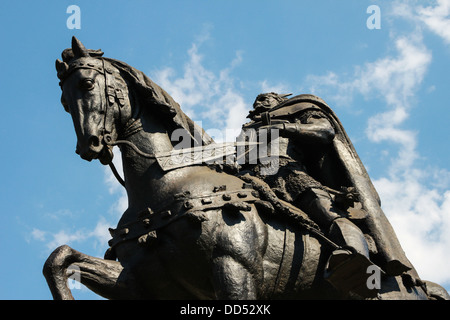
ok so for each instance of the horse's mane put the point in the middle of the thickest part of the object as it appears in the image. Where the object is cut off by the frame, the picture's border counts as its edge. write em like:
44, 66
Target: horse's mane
152, 94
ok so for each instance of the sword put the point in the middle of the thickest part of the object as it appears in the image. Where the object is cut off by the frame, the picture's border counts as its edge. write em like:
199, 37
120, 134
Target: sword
209, 154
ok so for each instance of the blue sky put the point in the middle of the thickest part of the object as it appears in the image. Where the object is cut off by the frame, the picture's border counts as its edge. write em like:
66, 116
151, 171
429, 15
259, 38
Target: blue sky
389, 86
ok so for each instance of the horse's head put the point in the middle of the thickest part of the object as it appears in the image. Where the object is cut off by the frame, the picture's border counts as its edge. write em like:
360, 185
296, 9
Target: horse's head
92, 92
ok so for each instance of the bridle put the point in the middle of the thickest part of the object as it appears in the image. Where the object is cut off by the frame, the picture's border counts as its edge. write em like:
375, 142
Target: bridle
115, 100
113, 94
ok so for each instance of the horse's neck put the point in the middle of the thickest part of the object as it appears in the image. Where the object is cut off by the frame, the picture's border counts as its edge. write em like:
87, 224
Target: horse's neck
142, 174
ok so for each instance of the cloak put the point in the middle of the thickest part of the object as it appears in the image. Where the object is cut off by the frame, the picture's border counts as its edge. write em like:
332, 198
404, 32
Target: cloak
338, 165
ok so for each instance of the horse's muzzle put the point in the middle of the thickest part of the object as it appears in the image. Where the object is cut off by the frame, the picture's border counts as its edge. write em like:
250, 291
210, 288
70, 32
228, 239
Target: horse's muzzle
91, 149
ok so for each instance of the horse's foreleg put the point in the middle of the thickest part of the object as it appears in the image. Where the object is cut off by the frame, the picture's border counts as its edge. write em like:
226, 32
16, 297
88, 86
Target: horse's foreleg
55, 273
101, 276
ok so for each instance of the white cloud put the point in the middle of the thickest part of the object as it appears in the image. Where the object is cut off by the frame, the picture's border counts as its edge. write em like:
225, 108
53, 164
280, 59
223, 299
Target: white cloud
204, 94
393, 79
281, 88
64, 237
100, 233
37, 234
437, 18
98, 236
420, 216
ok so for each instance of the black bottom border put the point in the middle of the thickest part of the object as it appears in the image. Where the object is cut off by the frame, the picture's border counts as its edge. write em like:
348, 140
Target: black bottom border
225, 309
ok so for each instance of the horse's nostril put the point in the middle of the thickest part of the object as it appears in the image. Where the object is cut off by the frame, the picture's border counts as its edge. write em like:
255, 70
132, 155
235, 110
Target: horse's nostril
94, 141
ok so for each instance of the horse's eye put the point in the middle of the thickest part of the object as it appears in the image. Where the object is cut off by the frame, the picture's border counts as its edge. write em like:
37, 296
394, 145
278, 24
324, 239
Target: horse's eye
87, 84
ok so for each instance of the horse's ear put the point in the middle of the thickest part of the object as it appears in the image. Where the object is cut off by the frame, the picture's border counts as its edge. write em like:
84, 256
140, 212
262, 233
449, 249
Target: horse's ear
61, 67
78, 48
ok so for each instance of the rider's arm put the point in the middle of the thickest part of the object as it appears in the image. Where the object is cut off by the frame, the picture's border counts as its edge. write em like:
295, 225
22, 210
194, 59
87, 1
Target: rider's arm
317, 130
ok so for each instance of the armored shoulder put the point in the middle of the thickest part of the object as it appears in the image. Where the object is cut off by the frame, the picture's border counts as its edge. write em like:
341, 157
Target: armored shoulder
309, 114
301, 110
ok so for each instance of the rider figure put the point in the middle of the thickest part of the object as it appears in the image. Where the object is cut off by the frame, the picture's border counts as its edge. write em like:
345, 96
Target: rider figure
294, 184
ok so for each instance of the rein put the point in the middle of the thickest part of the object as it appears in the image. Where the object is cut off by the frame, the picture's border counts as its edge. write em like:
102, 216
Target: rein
107, 139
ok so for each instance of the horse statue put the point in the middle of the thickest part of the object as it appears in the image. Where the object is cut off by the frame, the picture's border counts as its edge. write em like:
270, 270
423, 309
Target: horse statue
192, 230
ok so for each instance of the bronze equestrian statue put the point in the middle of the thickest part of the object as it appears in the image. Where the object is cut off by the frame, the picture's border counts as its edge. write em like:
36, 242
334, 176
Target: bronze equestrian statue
196, 229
